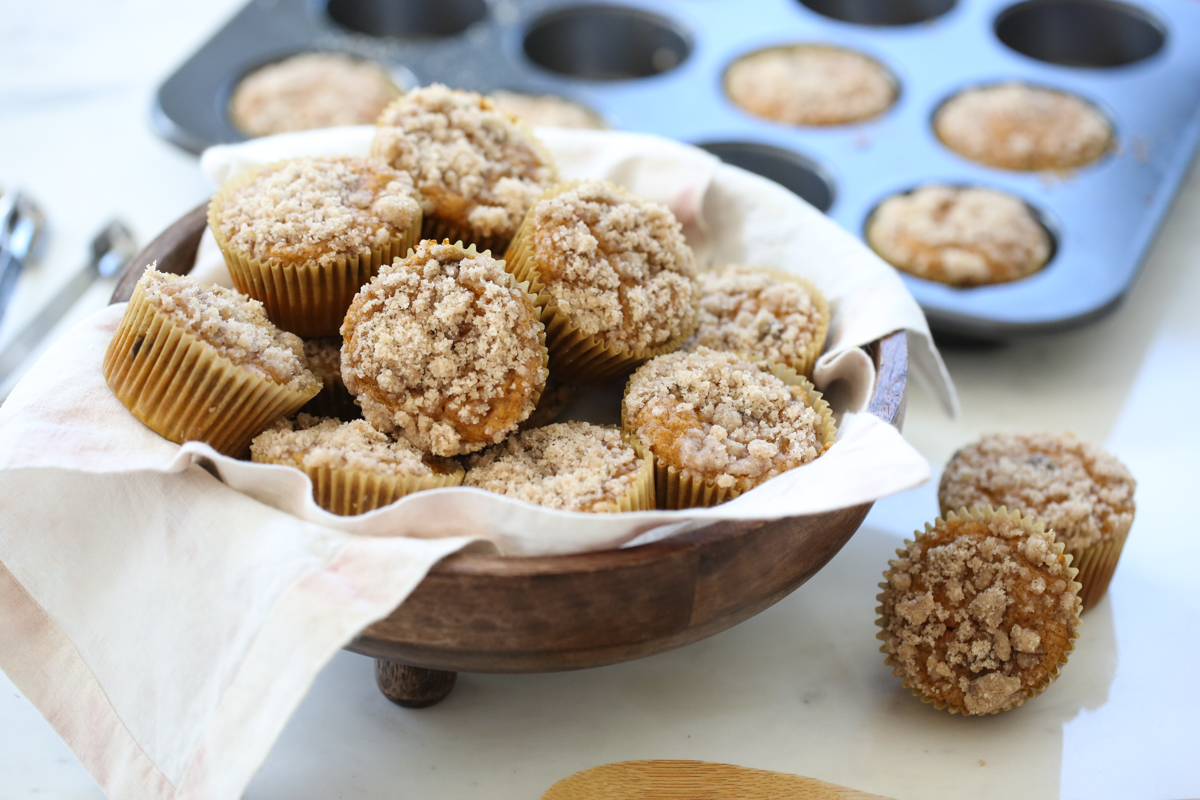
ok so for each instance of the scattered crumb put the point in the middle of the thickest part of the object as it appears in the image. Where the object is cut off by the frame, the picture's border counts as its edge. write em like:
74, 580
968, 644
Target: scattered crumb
547, 109
314, 443
982, 763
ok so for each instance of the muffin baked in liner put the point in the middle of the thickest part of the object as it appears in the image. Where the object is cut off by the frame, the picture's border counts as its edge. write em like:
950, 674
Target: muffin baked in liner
308, 299
678, 489
979, 522
575, 357
181, 388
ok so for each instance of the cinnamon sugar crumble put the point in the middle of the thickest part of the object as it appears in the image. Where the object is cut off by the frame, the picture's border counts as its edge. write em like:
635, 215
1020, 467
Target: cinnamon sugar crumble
757, 315
312, 443
321, 209
978, 611
959, 236
1073, 487
441, 347
714, 415
575, 466
233, 324
615, 264
1022, 127
472, 162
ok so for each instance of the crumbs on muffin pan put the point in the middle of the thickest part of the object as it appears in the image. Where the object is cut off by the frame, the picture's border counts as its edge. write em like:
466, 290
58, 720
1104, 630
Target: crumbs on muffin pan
312, 443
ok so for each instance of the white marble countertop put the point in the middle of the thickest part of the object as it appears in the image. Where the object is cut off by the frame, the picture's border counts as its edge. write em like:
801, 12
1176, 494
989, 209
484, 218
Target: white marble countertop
800, 688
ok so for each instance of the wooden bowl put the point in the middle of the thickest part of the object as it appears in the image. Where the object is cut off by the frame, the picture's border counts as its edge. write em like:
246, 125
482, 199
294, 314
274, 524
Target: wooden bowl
484, 613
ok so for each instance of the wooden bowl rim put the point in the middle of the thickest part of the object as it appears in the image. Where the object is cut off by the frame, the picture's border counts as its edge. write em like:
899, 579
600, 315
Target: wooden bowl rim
175, 251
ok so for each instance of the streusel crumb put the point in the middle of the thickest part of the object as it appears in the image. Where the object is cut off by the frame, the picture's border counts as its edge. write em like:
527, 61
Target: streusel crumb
312, 443
473, 163
959, 236
615, 264
575, 466
721, 418
1069, 485
978, 611
547, 110
759, 316
442, 347
319, 209
236, 326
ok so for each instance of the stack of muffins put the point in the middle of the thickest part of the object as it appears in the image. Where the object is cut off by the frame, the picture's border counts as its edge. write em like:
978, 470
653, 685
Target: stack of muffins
369, 299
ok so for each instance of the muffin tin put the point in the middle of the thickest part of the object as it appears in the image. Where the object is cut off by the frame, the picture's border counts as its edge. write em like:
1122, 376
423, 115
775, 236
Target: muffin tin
657, 66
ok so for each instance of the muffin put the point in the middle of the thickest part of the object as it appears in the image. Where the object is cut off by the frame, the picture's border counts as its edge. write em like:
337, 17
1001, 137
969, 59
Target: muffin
303, 235
980, 612
197, 364
1021, 127
324, 357
811, 84
547, 109
1072, 487
479, 170
959, 236
353, 467
572, 466
445, 348
718, 425
762, 315
311, 90
614, 277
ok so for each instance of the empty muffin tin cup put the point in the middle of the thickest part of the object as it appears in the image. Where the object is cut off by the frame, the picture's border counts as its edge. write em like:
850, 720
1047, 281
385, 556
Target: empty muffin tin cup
407, 19
790, 170
606, 43
1080, 33
880, 12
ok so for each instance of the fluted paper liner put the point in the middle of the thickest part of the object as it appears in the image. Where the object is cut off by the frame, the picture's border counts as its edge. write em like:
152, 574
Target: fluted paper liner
677, 489
641, 495
1096, 565
982, 514
576, 357
347, 492
303, 297
181, 388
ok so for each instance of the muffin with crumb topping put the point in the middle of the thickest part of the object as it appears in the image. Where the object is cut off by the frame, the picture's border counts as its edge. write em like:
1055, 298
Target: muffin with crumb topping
204, 364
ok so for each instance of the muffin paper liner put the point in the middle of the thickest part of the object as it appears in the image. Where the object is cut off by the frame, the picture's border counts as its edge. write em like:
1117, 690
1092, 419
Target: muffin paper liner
181, 388
982, 514
305, 298
576, 357
439, 229
347, 492
677, 489
1096, 565
641, 495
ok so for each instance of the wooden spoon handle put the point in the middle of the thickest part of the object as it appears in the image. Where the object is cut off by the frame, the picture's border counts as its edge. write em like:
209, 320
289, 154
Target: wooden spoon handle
691, 780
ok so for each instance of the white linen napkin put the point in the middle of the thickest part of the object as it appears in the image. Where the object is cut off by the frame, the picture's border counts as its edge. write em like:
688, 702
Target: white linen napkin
166, 608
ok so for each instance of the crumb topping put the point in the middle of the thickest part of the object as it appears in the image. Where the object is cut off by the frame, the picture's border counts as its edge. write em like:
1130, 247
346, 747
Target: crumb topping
311, 90
811, 85
324, 357
574, 466
311, 442
442, 347
715, 415
1071, 486
473, 163
1022, 127
959, 236
757, 315
615, 264
321, 209
546, 109
978, 611
235, 325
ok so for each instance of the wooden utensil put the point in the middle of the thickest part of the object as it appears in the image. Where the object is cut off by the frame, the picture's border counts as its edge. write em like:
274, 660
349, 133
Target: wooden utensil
694, 780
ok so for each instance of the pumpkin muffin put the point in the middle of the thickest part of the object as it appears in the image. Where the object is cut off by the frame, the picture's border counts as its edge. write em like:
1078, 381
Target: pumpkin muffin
1021, 127
353, 467
614, 277
980, 612
960, 236
1071, 486
548, 110
445, 348
573, 466
811, 84
204, 364
762, 315
718, 425
479, 170
303, 235
311, 90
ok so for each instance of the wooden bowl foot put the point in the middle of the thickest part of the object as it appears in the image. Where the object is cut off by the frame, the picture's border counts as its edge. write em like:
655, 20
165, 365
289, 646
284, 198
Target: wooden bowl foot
412, 687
